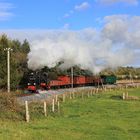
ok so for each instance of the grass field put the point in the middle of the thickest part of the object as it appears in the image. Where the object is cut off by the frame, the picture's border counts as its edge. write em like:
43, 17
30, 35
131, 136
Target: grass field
100, 117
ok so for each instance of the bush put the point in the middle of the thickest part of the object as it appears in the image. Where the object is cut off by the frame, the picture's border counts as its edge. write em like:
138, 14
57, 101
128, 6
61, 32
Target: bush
10, 109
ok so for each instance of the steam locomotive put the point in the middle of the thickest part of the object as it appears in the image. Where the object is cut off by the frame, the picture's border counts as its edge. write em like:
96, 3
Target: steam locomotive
42, 81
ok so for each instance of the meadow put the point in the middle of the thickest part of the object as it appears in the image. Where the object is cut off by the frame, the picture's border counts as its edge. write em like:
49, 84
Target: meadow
103, 116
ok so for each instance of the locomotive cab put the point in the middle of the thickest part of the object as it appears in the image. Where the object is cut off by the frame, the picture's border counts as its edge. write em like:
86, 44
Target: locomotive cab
31, 87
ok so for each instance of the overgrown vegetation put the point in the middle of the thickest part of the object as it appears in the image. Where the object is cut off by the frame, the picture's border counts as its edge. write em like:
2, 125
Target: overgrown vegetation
9, 107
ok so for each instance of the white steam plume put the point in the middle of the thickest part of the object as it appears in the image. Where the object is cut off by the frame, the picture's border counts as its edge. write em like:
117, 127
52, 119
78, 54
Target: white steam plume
114, 45
117, 43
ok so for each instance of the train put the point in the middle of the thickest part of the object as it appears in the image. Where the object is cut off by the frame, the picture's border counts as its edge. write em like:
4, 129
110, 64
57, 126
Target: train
42, 81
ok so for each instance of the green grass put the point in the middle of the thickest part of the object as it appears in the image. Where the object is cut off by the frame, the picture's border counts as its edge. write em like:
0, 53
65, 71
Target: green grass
101, 117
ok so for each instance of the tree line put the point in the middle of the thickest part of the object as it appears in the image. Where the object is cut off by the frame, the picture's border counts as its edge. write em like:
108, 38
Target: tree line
18, 61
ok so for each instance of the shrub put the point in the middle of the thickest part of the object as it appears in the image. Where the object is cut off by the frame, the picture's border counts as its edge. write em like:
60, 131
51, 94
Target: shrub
10, 109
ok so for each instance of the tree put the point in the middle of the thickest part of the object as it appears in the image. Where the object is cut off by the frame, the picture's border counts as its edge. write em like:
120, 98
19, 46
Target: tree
4, 43
25, 47
18, 61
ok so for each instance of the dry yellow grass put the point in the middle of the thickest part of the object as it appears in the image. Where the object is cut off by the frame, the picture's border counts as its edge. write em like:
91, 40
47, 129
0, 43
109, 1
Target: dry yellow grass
127, 81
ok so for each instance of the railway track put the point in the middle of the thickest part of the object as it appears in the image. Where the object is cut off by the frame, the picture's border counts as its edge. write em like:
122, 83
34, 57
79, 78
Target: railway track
48, 94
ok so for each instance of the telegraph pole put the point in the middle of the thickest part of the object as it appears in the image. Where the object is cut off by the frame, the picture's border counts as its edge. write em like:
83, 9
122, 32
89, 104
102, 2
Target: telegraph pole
71, 77
8, 68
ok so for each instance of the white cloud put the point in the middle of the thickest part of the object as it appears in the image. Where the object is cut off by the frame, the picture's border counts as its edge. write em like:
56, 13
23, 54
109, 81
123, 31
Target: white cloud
66, 15
108, 2
82, 6
117, 43
66, 26
123, 29
5, 13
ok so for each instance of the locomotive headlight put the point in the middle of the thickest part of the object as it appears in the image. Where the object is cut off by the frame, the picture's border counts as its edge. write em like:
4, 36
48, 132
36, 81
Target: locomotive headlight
28, 84
34, 83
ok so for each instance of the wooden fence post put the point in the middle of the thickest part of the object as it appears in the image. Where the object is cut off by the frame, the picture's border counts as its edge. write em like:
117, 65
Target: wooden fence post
123, 96
53, 105
70, 96
27, 111
45, 110
58, 105
73, 95
97, 90
64, 97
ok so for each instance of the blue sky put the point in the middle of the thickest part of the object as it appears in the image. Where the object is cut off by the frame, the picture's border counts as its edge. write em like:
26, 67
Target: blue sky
57, 14
111, 27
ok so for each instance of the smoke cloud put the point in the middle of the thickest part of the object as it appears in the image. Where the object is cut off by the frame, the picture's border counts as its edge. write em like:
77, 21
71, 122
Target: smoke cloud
117, 43
132, 2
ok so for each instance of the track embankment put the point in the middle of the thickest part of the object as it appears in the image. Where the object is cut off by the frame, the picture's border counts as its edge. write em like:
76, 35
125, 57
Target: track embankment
49, 94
